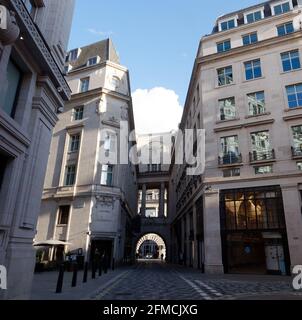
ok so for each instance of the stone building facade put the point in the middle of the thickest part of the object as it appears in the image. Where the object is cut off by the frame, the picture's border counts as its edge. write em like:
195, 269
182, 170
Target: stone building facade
244, 213
89, 196
32, 92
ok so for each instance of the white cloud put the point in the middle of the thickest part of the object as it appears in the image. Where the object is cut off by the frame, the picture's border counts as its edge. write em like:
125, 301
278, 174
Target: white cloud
156, 110
100, 33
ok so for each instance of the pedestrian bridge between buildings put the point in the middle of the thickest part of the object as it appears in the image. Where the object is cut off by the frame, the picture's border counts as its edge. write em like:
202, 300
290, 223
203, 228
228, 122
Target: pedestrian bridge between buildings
154, 235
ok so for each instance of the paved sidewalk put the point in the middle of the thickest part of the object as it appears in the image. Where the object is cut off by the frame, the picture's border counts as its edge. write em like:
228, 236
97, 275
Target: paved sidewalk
44, 285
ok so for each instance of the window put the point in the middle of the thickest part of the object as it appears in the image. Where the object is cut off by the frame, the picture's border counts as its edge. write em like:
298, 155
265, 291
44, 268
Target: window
78, 113
253, 17
253, 69
254, 208
294, 95
264, 170
3, 162
256, 103
29, 5
250, 39
299, 166
234, 172
225, 76
282, 8
261, 147
70, 175
84, 85
107, 175
74, 143
63, 217
229, 150
224, 46
226, 25
73, 55
290, 60
297, 140
227, 109
151, 213
12, 85
285, 29
92, 61
110, 142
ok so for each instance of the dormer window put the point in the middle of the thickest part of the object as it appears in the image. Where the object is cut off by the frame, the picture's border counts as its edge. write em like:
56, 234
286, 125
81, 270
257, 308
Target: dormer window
73, 55
228, 24
281, 8
92, 61
251, 17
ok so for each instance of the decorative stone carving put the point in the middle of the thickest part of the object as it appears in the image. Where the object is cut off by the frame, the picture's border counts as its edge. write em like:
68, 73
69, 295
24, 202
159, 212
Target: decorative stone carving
9, 30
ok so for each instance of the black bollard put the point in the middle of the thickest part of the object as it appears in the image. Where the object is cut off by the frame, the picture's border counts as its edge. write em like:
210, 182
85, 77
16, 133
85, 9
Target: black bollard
93, 270
75, 275
85, 272
113, 264
60, 279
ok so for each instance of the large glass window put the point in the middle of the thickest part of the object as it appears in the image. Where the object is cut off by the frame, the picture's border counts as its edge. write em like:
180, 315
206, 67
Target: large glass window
227, 109
254, 16
225, 76
224, 46
256, 103
107, 175
290, 60
294, 95
285, 29
282, 8
11, 87
70, 174
257, 208
253, 69
250, 39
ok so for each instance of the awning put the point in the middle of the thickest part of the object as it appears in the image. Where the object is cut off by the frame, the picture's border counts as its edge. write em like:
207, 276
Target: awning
51, 243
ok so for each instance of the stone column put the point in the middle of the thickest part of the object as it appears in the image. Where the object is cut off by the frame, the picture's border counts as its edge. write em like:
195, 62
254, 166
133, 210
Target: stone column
162, 200
293, 218
143, 202
195, 246
212, 236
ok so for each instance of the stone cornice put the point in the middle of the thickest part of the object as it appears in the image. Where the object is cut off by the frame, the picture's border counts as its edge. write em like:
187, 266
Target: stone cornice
41, 45
247, 49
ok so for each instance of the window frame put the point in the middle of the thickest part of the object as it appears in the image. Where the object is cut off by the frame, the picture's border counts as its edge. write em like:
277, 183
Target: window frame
290, 60
249, 35
234, 106
67, 182
224, 49
253, 12
253, 68
74, 143
108, 173
59, 219
296, 93
284, 26
225, 76
75, 113
248, 103
82, 81
281, 3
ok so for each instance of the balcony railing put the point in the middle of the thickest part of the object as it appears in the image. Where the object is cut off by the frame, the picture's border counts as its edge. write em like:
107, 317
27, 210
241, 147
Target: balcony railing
297, 151
262, 155
230, 158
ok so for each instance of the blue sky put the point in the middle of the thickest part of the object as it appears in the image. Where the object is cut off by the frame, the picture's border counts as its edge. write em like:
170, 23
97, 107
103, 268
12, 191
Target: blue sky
156, 39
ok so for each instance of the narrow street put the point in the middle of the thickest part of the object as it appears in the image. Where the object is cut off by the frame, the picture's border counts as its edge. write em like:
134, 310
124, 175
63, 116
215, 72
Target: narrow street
153, 280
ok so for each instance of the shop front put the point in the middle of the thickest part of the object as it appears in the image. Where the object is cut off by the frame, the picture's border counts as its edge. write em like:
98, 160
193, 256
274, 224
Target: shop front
254, 239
